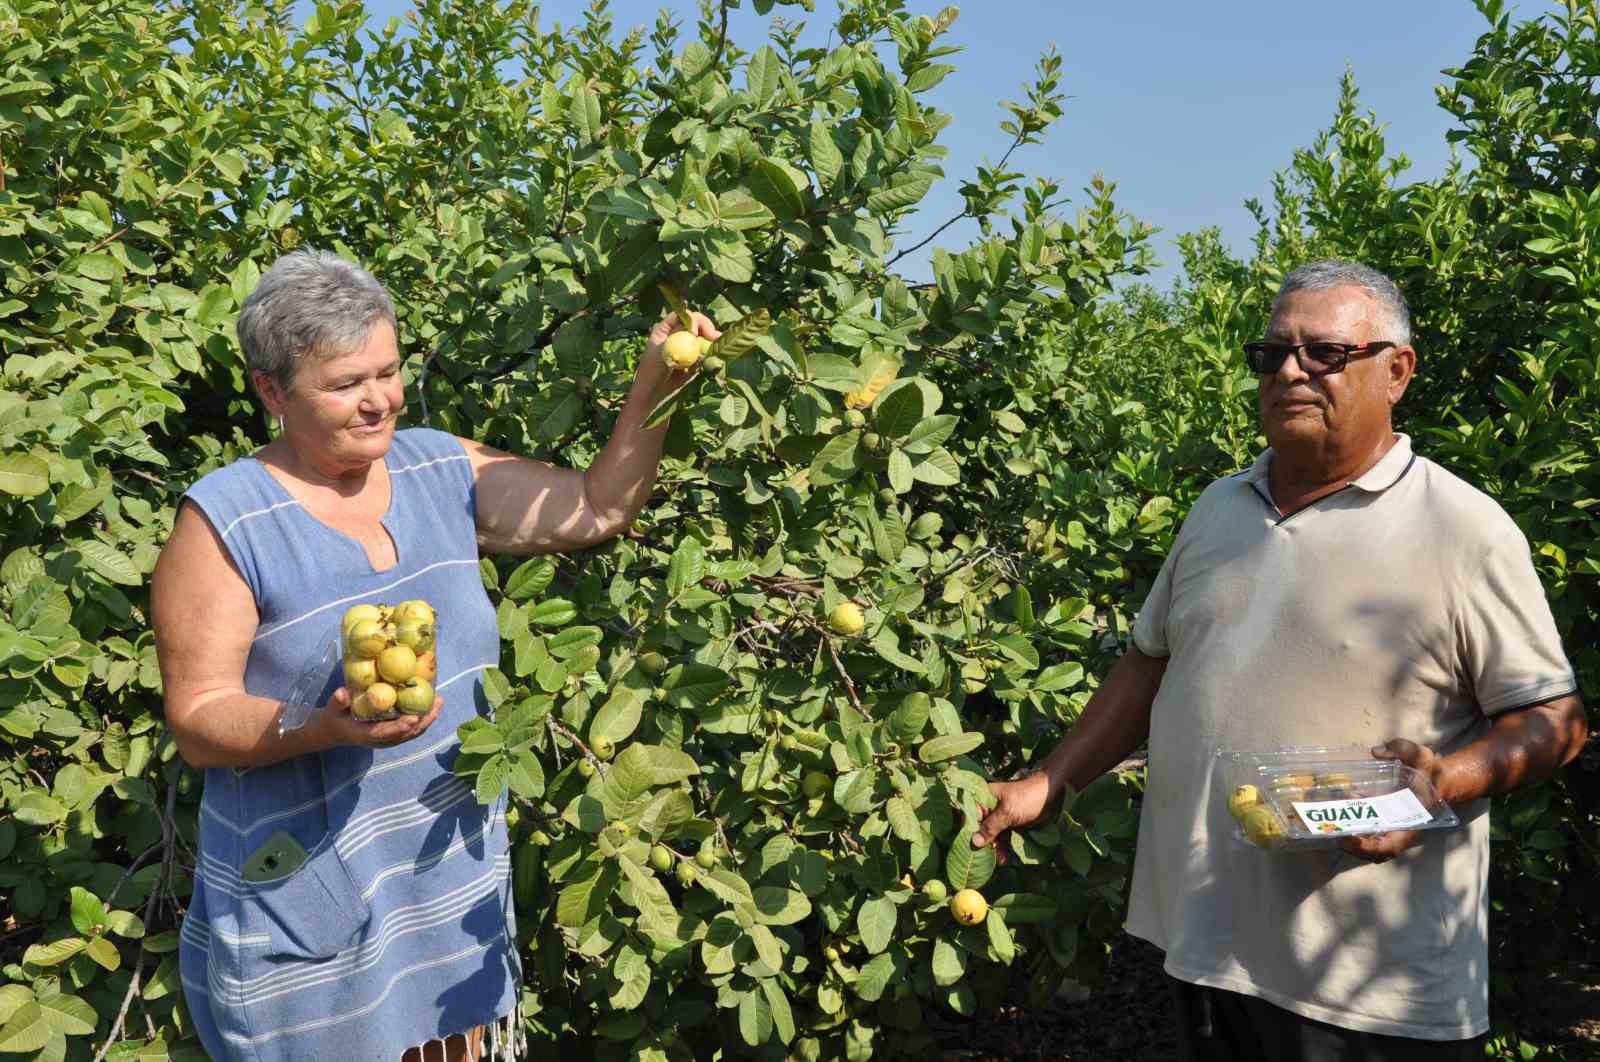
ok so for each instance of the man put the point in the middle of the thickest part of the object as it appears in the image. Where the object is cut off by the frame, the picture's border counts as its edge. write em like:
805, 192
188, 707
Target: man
1341, 591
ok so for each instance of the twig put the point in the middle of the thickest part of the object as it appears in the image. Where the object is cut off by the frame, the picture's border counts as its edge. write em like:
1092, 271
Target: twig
127, 874
849, 684
722, 33
588, 753
964, 214
151, 908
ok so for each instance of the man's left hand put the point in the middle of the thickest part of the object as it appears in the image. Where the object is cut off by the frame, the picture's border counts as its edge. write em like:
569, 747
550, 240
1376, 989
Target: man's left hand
1380, 848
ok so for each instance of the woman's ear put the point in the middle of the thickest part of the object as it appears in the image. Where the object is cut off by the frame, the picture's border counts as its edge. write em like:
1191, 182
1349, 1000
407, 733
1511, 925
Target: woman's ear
272, 395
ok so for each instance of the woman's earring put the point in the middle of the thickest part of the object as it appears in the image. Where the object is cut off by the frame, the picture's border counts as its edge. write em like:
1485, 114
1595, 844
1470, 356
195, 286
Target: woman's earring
280, 424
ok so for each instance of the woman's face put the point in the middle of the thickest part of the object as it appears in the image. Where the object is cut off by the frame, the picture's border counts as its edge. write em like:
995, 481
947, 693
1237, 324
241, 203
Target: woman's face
343, 408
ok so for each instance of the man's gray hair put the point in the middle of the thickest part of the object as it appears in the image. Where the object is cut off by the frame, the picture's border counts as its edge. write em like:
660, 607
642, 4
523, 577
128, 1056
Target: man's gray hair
309, 302
1336, 273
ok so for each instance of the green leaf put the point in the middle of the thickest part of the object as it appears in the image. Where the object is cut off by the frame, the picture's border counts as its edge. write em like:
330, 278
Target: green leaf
23, 475
899, 411
97, 266
727, 886
900, 476
782, 1015
938, 469
585, 113
929, 433
88, 913
230, 164
777, 906
215, 305
687, 567
493, 777
12, 998
772, 187
966, 867
109, 562
949, 962
27, 1031
764, 74
526, 777
126, 924
583, 900
640, 768
54, 953
694, 685
903, 819
618, 717
755, 1017
37, 809
949, 746
554, 612
875, 921
102, 951
530, 579
743, 335
837, 460
67, 1014
875, 976
826, 158
1000, 937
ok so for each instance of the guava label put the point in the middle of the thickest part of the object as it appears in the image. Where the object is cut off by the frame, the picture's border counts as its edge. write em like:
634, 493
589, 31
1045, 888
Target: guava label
1399, 810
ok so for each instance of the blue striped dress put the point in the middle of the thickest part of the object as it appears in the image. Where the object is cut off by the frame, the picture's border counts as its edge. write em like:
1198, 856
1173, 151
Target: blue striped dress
397, 929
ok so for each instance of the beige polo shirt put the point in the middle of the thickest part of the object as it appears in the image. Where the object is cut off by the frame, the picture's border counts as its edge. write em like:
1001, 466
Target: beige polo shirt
1403, 605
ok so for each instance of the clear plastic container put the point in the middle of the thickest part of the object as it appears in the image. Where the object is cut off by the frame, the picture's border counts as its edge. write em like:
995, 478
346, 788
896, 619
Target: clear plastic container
1314, 796
312, 687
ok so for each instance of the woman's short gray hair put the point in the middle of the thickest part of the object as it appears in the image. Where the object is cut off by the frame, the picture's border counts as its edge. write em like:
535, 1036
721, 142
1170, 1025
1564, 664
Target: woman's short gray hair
309, 302
1336, 273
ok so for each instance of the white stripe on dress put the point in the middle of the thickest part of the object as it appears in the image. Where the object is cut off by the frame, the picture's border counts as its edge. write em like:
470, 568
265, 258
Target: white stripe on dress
427, 464
241, 518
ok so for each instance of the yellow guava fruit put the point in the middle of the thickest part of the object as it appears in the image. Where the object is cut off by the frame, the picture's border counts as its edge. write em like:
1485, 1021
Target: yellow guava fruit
415, 697
847, 619
359, 673
397, 664
367, 639
1263, 827
969, 907
413, 611
1244, 798
682, 351
359, 614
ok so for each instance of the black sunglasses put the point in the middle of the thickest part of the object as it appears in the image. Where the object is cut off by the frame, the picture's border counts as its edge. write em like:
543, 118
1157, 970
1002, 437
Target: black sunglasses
1315, 359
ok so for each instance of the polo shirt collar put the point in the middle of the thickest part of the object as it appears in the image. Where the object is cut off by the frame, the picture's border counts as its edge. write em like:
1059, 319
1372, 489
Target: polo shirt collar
1377, 479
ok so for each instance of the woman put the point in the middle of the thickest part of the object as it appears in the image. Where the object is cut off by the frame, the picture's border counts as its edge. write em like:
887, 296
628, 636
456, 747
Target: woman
351, 899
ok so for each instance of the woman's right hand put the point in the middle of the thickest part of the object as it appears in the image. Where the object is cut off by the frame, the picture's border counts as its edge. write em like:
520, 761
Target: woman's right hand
342, 728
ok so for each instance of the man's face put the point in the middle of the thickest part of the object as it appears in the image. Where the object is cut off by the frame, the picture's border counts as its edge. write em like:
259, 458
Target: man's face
1343, 410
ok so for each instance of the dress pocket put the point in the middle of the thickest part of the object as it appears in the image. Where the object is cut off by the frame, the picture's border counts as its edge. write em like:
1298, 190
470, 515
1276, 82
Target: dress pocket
313, 913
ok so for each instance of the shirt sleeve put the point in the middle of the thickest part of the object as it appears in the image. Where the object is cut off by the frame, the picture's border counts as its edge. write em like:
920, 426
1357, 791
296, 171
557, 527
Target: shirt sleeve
1150, 629
1511, 653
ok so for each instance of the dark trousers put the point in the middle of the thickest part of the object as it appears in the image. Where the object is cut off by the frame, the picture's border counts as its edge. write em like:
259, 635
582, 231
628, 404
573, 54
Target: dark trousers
1215, 1025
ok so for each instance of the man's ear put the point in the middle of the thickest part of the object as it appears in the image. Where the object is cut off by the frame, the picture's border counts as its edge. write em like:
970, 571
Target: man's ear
1402, 366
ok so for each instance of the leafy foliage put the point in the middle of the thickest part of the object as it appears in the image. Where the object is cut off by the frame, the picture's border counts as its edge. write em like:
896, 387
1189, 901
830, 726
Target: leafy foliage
1028, 440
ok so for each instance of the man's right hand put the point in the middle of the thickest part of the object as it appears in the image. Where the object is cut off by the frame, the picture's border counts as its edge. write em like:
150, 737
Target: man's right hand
1018, 805
342, 728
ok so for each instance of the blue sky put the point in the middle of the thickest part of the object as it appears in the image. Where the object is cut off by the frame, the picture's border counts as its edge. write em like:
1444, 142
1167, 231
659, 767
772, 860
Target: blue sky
1188, 107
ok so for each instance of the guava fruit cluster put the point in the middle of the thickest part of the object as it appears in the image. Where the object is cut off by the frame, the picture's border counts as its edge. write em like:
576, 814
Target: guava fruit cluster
389, 659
